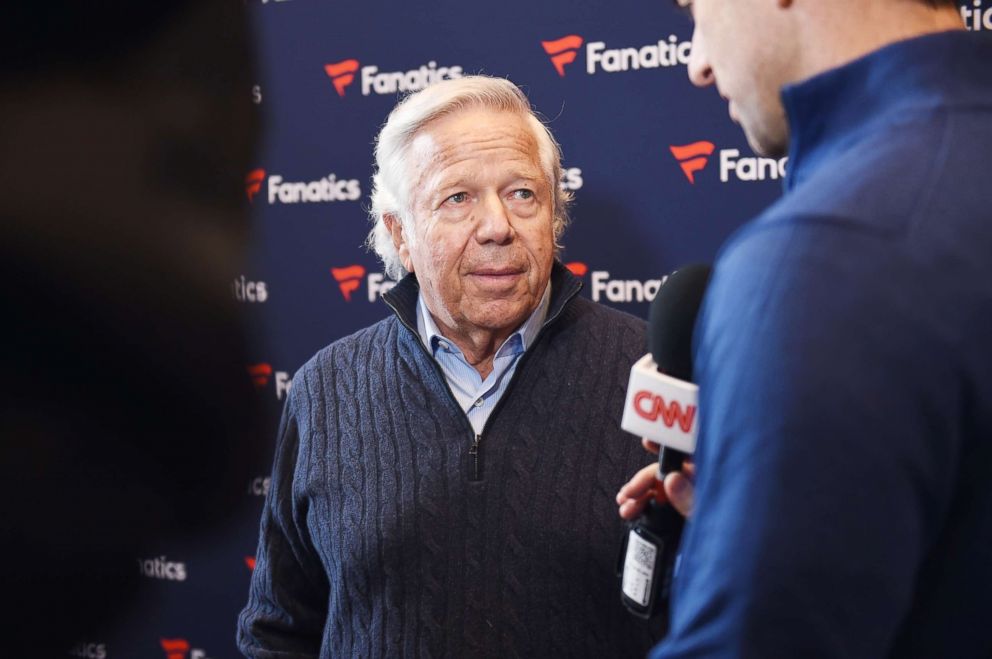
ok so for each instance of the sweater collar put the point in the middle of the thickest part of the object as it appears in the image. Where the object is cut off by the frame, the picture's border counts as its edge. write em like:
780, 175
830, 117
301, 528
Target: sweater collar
402, 297
829, 111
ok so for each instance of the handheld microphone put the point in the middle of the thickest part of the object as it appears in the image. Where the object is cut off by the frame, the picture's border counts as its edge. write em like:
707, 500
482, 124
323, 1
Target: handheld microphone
661, 406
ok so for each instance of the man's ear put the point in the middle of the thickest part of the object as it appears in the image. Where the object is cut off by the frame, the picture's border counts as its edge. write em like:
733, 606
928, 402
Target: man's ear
395, 227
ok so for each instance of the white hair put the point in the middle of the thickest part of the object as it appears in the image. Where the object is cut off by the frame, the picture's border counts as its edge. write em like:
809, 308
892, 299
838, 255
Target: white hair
390, 181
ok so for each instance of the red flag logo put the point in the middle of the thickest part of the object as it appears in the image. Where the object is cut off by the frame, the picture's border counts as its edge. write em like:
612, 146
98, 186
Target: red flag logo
563, 51
349, 278
260, 374
342, 74
175, 648
693, 157
250, 562
577, 268
253, 183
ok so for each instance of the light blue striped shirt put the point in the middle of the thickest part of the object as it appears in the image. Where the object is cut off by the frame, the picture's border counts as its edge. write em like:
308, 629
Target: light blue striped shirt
478, 397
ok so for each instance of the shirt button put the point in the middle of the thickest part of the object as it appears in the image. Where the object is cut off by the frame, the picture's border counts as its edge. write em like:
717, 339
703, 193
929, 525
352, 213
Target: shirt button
478, 403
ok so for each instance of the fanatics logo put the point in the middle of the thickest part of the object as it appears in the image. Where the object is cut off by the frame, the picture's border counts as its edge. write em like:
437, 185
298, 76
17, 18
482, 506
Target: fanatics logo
260, 374
342, 74
577, 268
259, 486
571, 179
253, 183
329, 188
977, 18
175, 648
563, 51
85, 650
244, 290
615, 290
161, 568
693, 157
623, 290
378, 82
349, 278
179, 648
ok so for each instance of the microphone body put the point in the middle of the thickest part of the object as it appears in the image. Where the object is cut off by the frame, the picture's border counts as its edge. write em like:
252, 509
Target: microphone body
662, 406
649, 560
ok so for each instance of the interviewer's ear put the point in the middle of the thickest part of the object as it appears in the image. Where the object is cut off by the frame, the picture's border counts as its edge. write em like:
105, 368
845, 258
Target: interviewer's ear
395, 227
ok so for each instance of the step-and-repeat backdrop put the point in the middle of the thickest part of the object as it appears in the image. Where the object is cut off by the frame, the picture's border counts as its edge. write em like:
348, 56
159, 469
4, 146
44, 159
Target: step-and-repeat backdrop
660, 175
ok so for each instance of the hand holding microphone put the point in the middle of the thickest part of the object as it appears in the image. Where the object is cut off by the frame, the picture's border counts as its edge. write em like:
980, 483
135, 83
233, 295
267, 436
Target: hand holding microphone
677, 488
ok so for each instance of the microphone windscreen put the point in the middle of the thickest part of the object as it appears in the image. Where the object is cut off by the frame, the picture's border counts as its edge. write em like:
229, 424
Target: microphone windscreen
672, 318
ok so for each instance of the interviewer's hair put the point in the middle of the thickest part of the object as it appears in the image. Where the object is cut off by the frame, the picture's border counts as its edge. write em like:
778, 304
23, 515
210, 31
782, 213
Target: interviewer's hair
391, 180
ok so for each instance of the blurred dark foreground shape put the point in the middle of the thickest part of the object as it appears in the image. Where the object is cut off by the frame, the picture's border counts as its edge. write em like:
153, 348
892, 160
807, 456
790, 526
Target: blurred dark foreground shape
125, 411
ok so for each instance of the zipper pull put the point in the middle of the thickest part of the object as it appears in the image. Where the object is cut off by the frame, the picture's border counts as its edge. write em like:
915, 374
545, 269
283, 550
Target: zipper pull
474, 452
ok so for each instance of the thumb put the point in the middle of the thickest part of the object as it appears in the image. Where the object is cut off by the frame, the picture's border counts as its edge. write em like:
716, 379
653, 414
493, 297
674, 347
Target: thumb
680, 492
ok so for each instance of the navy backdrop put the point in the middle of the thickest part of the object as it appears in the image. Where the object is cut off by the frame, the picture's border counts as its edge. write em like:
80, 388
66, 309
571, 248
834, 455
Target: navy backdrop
661, 177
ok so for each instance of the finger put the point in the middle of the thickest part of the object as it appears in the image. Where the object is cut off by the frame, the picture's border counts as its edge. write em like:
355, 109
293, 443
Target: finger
633, 508
649, 446
689, 469
643, 480
680, 491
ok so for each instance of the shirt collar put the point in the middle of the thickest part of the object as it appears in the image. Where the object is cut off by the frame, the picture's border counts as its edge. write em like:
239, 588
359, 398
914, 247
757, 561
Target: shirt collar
527, 332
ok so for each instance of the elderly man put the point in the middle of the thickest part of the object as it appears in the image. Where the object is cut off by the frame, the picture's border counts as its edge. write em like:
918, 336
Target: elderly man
441, 480
844, 493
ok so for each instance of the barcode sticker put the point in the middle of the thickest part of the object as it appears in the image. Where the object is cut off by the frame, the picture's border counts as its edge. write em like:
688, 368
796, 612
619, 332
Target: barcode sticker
638, 569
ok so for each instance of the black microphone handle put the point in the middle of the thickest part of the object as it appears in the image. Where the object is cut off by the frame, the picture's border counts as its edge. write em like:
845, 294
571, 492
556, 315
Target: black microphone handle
669, 460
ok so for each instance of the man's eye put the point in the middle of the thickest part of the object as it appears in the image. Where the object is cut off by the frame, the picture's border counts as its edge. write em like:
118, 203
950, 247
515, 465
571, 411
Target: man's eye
523, 193
458, 198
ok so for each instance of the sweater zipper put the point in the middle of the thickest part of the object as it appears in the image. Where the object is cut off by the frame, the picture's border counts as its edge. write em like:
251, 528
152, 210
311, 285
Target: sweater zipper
474, 452
475, 449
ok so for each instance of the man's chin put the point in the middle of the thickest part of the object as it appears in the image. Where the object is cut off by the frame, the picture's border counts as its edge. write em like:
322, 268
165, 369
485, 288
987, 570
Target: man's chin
766, 143
500, 314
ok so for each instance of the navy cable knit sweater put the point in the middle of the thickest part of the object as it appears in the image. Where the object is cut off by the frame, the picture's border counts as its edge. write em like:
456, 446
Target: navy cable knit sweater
391, 530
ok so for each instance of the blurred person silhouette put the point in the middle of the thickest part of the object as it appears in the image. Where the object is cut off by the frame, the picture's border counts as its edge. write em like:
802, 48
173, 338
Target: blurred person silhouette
125, 411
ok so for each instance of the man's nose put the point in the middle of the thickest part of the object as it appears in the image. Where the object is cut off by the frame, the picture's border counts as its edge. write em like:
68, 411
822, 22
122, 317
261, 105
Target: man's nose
494, 221
700, 71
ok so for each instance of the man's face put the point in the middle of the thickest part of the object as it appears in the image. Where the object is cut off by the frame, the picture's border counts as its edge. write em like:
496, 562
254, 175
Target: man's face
747, 48
480, 238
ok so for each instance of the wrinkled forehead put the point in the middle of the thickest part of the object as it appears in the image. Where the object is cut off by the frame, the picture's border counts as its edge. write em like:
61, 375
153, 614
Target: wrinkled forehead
474, 127
471, 136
